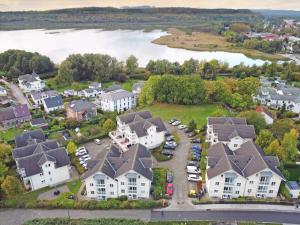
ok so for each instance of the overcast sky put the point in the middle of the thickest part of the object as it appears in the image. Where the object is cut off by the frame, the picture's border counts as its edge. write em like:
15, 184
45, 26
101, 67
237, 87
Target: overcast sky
17, 5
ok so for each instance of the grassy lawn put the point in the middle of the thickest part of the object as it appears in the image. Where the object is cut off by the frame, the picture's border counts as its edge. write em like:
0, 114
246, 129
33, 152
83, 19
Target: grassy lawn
10, 134
186, 113
77, 86
204, 41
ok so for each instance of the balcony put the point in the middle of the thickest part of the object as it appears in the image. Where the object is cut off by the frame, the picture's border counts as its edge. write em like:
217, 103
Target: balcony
131, 183
121, 141
229, 184
264, 182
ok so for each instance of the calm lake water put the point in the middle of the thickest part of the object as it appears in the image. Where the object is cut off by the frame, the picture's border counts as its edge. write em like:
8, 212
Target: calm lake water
58, 44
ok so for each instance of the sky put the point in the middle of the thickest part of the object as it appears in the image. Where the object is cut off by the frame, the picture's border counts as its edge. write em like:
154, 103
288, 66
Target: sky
24, 5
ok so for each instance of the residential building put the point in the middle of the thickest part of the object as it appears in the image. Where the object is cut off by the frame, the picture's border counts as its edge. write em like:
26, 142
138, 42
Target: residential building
244, 172
95, 85
230, 131
53, 103
39, 123
116, 173
39, 96
90, 93
81, 110
31, 82
3, 91
15, 115
139, 127
266, 114
137, 87
117, 101
293, 188
113, 87
70, 92
40, 163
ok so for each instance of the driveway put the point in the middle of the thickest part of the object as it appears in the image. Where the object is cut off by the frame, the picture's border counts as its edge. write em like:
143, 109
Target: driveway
17, 93
177, 165
95, 149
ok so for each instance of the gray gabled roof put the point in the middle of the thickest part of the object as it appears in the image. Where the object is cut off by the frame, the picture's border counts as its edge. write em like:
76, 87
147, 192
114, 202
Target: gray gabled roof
249, 159
36, 95
113, 163
226, 120
116, 95
135, 116
227, 132
53, 102
30, 137
141, 127
81, 105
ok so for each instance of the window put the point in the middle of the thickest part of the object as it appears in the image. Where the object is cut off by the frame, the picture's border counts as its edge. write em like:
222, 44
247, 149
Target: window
217, 183
122, 183
92, 192
271, 191
216, 191
49, 165
112, 193
251, 182
91, 184
111, 185
237, 192
142, 184
238, 184
123, 191
273, 183
235, 145
43, 181
49, 173
100, 182
41, 174
249, 190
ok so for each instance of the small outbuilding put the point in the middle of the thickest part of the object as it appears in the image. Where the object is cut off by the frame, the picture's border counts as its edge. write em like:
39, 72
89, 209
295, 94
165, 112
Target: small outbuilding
294, 188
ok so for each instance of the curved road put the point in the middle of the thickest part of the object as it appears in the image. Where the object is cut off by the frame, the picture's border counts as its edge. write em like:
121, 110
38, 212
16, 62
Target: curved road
19, 216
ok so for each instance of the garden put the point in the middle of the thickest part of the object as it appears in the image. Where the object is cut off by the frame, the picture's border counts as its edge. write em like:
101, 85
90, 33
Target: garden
159, 182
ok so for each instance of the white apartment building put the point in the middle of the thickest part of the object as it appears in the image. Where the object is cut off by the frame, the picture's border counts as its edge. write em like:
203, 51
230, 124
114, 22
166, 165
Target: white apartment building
244, 172
31, 82
139, 127
116, 173
40, 162
231, 131
117, 101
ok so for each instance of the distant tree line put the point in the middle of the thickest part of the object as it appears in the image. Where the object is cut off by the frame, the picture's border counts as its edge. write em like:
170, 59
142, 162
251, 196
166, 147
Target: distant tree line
17, 62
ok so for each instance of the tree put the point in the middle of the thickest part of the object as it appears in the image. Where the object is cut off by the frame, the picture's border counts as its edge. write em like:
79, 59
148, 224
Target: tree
277, 150
71, 147
3, 169
264, 138
11, 186
72, 124
289, 144
5, 153
131, 64
192, 125
108, 125
282, 126
254, 118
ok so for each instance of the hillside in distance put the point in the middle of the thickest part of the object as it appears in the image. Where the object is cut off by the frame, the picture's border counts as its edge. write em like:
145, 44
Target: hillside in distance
126, 18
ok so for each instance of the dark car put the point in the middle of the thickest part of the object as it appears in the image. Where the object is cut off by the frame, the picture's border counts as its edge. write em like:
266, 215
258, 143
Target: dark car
168, 152
170, 138
169, 177
193, 163
57, 192
170, 147
167, 134
196, 141
192, 134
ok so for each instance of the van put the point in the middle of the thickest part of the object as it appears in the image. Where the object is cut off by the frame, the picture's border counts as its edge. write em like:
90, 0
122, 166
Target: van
192, 170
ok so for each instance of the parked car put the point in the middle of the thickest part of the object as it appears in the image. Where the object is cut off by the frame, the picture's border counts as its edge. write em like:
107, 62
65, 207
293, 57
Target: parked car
56, 192
193, 163
171, 147
170, 138
176, 123
194, 177
84, 157
181, 127
192, 134
193, 170
196, 158
97, 141
169, 177
167, 152
170, 189
197, 147
196, 141
167, 134
171, 143
71, 197
81, 152
172, 121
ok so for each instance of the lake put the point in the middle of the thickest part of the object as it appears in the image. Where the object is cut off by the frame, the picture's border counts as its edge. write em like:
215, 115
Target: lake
58, 44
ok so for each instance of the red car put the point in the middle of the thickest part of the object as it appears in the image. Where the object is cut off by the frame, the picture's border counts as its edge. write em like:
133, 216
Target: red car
170, 189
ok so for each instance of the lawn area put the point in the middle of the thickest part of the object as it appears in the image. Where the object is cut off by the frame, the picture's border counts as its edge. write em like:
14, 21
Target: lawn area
186, 113
10, 134
294, 173
77, 86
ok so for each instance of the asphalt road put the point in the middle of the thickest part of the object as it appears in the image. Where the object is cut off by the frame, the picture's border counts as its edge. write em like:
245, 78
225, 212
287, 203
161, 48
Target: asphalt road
19, 216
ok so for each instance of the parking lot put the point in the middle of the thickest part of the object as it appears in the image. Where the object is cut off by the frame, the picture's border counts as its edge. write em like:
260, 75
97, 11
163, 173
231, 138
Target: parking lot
94, 149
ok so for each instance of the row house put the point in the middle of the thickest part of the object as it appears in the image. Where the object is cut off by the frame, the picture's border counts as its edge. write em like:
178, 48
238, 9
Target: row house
116, 173
14, 116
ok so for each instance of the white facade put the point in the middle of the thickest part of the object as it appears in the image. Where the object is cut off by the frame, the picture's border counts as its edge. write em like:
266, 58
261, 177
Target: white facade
90, 93
131, 184
264, 184
49, 177
269, 120
34, 84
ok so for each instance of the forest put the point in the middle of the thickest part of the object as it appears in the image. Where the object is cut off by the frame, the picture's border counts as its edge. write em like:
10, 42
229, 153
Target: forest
127, 18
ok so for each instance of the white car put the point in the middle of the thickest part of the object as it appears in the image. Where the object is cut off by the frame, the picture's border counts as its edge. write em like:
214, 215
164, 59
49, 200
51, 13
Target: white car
97, 141
83, 161
194, 177
181, 127
84, 157
81, 152
173, 143
193, 170
176, 123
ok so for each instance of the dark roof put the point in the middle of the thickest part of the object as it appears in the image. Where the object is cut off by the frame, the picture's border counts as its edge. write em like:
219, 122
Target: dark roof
246, 161
140, 127
113, 87
135, 116
38, 121
113, 163
55, 101
81, 105
30, 137
226, 132
226, 120
15, 112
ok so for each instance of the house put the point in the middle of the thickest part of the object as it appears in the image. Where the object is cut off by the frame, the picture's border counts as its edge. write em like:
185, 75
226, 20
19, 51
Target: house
39, 96
266, 114
139, 127
230, 131
117, 101
13, 116
116, 173
293, 188
81, 110
31, 82
244, 172
137, 87
70, 92
39, 123
3, 91
40, 163
90, 93
53, 103
113, 87
95, 85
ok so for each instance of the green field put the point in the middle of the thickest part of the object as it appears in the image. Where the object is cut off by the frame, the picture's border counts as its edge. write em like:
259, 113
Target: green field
77, 86
186, 113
